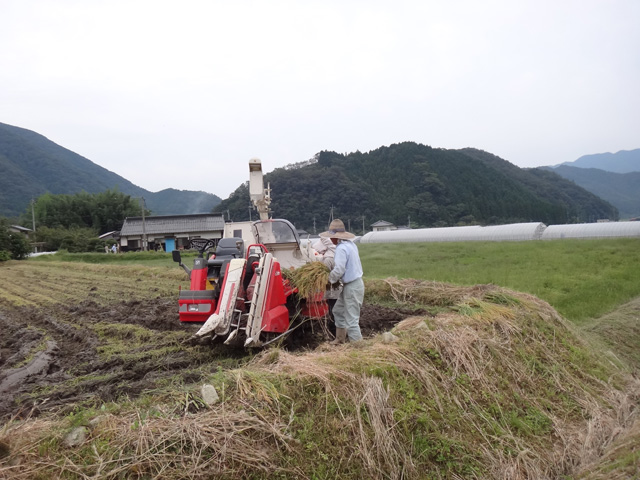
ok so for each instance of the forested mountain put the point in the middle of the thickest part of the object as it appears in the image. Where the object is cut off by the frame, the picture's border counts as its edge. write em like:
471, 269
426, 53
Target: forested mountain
624, 161
622, 190
426, 186
31, 165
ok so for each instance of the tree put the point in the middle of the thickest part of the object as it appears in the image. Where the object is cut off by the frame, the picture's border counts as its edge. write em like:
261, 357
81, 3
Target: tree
102, 212
12, 245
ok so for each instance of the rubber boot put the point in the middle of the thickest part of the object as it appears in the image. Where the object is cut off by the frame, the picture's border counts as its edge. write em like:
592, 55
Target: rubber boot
341, 336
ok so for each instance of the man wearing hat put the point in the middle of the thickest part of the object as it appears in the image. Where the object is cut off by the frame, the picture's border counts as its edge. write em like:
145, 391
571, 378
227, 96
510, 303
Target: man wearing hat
347, 268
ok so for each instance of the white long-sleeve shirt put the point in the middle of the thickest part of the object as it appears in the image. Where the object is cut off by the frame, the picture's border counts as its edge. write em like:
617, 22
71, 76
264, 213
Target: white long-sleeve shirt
347, 263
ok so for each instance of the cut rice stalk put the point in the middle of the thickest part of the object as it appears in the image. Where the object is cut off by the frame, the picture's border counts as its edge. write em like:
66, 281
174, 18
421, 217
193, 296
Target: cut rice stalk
311, 279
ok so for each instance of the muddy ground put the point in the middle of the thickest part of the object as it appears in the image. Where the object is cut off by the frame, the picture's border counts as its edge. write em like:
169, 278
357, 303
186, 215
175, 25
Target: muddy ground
52, 359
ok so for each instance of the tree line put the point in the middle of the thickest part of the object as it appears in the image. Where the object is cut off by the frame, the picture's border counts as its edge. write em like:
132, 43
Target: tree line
70, 222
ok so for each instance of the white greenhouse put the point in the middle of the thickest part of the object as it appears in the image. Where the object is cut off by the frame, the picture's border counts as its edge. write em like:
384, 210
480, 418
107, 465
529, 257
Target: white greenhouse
592, 230
492, 233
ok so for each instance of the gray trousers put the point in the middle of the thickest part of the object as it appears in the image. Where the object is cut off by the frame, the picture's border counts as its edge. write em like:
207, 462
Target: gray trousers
347, 309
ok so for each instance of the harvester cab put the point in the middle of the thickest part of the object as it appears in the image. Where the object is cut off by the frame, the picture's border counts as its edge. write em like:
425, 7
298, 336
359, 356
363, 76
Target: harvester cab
280, 237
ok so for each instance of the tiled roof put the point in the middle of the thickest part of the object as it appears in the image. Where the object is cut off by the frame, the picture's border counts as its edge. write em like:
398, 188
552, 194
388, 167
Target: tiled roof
381, 223
172, 224
112, 233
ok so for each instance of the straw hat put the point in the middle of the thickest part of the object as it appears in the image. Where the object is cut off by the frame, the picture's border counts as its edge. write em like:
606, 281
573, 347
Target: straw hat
336, 230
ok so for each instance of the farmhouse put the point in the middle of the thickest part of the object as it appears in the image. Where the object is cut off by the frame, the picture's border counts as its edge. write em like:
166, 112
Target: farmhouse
19, 229
28, 233
169, 232
383, 226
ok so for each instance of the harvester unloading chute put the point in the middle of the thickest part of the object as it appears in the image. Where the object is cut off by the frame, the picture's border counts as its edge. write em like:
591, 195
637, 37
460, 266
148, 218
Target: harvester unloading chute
260, 196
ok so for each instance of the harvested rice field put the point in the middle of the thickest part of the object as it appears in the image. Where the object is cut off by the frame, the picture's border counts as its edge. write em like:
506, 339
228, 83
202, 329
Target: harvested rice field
98, 379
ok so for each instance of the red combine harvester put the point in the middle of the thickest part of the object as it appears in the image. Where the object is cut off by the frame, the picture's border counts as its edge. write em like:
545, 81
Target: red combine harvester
240, 293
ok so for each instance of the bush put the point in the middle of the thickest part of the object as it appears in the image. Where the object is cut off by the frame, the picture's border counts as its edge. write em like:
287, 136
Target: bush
12, 245
75, 240
20, 247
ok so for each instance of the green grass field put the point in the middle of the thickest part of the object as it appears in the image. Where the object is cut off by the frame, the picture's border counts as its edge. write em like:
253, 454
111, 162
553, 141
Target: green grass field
150, 259
582, 279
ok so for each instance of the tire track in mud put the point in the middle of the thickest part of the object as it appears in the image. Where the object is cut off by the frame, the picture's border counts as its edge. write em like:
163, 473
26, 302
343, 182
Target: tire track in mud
39, 364
51, 358
25, 366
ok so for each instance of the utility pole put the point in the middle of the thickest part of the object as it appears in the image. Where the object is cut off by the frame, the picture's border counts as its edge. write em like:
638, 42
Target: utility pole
314, 225
250, 208
144, 229
33, 215
33, 219
409, 221
363, 231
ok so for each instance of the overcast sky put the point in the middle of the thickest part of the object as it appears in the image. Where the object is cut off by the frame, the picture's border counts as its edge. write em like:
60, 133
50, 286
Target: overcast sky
183, 94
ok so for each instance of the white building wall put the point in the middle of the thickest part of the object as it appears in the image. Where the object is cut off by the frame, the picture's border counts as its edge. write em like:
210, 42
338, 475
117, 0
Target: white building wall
190, 235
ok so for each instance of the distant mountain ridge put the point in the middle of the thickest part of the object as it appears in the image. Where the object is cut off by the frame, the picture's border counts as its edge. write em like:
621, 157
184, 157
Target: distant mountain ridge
624, 161
622, 190
31, 164
614, 177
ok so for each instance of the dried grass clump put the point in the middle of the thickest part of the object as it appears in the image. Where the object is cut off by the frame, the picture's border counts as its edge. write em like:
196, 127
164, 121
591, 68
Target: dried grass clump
621, 460
382, 448
311, 279
227, 443
312, 366
377, 444
409, 291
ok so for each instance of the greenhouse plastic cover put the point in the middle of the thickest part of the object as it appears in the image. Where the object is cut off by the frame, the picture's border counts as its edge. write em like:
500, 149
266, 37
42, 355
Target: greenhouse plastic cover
495, 233
592, 230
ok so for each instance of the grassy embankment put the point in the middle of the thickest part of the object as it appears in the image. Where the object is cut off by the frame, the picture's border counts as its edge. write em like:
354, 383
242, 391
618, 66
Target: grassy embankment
160, 259
495, 386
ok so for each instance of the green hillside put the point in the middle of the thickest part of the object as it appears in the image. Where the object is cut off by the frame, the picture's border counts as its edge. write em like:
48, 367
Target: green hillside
31, 165
415, 183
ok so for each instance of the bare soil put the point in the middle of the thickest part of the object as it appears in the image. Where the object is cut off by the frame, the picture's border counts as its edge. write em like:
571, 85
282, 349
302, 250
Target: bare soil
53, 358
